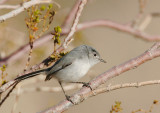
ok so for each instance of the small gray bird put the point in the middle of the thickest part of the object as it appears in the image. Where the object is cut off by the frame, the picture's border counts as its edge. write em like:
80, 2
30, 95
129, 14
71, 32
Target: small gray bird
71, 67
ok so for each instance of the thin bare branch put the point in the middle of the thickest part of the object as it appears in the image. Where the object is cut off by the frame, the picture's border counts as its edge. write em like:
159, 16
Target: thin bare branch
69, 38
137, 19
147, 20
17, 6
125, 85
6, 86
10, 91
9, 6
120, 27
22, 8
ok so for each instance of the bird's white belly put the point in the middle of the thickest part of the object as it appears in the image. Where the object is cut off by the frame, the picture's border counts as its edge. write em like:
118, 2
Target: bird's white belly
73, 72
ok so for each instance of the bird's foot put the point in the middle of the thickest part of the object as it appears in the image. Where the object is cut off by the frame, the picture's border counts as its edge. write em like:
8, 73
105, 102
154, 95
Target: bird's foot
69, 99
86, 85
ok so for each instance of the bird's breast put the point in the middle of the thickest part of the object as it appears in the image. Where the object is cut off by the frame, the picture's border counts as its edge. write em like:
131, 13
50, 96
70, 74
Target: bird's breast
73, 72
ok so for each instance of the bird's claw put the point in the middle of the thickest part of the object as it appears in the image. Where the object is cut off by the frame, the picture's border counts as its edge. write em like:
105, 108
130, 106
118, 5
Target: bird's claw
68, 98
87, 85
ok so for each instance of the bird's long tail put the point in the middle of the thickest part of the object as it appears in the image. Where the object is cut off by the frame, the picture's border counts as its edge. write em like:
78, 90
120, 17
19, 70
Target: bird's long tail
29, 75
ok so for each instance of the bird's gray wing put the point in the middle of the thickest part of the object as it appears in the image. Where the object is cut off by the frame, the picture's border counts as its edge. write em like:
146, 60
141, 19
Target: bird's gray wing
62, 63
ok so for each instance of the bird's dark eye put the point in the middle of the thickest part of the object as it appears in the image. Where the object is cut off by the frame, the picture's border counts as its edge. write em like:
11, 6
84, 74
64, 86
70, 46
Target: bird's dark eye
95, 55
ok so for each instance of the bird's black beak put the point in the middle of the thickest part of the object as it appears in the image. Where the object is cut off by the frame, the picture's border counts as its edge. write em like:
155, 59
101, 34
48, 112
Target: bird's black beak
102, 60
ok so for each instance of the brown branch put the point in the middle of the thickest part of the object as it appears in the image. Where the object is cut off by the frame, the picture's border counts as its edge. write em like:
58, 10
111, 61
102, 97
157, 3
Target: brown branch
6, 86
120, 27
85, 93
148, 18
69, 38
138, 18
10, 91
125, 85
22, 8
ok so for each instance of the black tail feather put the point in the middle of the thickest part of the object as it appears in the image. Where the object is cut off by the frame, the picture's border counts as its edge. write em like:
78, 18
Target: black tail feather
29, 75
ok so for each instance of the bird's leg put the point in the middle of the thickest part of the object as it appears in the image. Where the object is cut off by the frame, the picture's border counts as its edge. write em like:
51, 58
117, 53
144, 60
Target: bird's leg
84, 84
67, 97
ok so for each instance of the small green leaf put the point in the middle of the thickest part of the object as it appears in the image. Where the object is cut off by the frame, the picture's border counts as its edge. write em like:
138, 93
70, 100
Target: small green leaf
43, 8
36, 12
50, 6
58, 29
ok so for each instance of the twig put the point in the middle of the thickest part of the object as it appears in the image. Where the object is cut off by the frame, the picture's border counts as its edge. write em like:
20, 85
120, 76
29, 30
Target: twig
69, 38
147, 20
17, 6
23, 7
10, 91
84, 93
125, 85
120, 27
142, 5
6, 86
9, 6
